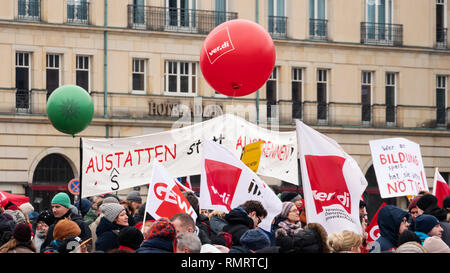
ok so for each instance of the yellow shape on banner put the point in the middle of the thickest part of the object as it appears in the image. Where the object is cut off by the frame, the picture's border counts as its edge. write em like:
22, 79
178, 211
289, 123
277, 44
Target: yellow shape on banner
251, 154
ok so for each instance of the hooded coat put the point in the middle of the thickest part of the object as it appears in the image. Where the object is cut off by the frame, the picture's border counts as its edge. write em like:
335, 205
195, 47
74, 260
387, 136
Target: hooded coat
107, 235
389, 220
238, 222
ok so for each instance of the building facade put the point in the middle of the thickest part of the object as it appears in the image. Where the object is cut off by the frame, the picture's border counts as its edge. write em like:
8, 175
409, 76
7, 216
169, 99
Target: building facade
355, 70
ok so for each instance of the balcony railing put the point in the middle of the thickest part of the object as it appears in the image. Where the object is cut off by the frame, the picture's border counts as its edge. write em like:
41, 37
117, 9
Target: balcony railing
441, 38
318, 29
278, 26
78, 13
23, 100
176, 19
381, 34
29, 10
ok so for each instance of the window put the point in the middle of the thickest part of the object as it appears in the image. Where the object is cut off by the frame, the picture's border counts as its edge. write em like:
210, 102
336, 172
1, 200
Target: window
379, 19
297, 92
23, 79
29, 10
180, 14
139, 75
221, 9
391, 89
441, 25
318, 19
277, 19
139, 12
180, 77
82, 72
53, 72
322, 96
441, 98
271, 93
78, 11
366, 96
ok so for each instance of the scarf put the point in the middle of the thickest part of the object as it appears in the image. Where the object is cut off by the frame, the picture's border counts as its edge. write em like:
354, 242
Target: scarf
290, 228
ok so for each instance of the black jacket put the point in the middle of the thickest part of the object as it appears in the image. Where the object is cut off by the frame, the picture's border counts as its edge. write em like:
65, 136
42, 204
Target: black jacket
85, 230
107, 235
238, 222
156, 245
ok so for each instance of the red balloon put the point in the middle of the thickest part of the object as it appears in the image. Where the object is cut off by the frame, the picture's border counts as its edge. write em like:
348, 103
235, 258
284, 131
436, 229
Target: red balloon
237, 57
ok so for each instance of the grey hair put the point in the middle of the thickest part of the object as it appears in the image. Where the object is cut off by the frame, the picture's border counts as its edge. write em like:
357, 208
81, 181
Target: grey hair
190, 241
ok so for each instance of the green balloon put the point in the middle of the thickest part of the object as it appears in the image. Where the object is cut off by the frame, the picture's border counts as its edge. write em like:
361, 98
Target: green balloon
70, 109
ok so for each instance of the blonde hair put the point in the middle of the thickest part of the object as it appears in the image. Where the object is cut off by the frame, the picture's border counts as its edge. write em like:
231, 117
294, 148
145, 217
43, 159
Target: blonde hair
344, 241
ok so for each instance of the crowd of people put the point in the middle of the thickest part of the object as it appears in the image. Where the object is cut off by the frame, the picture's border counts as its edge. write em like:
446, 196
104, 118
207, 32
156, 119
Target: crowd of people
111, 225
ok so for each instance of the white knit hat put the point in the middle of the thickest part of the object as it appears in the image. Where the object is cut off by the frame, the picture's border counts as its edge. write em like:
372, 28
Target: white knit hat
111, 211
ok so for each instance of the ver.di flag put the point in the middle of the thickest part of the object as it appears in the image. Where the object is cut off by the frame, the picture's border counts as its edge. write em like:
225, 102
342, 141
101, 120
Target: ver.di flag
332, 181
165, 198
226, 182
440, 188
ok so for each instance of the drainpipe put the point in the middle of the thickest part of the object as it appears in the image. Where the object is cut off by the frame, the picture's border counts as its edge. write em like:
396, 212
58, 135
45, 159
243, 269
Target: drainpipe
105, 68
257, 91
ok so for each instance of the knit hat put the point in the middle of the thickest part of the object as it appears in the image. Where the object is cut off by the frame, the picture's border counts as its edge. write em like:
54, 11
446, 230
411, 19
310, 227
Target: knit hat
425, 223
65, 228
435, 244
22, 232
26, 208
446, 202
85, 206
47, 217
413, 203
288, 196
411, 247
130, 237
134, 196
162, 228
111, 211
17, 216
286, 207
427, 201
110, 199
255, 239
62, 199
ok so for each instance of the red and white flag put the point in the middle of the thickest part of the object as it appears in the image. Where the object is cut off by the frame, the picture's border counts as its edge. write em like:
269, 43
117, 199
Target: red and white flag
226, 182
440, 187
188, 182
332, 181
165, 198
373, 230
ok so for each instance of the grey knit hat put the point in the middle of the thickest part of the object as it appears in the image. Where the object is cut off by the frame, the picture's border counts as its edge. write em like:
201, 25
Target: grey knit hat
134, 196
110, 200
111, 211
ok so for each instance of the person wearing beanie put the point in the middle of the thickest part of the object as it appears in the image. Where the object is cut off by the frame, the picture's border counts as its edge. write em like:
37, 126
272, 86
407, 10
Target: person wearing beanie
44, 220
435, 244
130, 239
251, 241
428, 204
288, 219
161, 238
113, 220
20, 241
64, 229
61, 209
427, 226
136, 200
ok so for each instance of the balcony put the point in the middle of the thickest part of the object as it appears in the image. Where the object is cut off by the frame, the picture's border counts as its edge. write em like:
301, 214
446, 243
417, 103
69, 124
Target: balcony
29, 10
441, 38
278, 26
175, 19
318, 29
78, 13
381, 34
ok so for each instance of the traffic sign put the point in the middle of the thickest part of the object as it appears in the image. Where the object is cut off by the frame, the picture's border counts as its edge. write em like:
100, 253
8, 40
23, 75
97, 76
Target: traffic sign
74, 186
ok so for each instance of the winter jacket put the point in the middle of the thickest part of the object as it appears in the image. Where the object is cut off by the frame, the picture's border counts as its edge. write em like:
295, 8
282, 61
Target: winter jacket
238, 222
446, 233
217, 223
389, 220
85, 231
52, 247
156, 245
422, 236
6, 228
90, 217
239, 249
21, 248
307, 241
107, 235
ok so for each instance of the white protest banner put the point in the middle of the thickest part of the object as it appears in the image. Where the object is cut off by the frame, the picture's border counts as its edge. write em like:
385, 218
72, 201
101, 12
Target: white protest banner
398, 167
165, 198
332, 182
119, 163
226, 182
